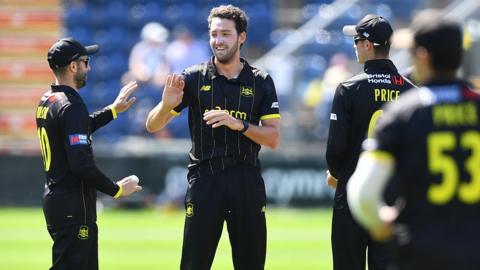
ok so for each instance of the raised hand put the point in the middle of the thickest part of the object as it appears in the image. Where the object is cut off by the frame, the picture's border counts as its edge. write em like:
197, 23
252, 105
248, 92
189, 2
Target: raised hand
123, 100
218, 118
173, 91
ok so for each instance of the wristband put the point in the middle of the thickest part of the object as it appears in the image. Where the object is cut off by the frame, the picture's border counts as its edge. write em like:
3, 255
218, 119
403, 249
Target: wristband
246, 125
119, 192
114, 112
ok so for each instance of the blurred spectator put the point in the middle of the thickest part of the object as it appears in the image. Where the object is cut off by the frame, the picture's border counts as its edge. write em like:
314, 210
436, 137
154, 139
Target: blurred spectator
181, 53
185, 50
148, 66
147, 62
319, 93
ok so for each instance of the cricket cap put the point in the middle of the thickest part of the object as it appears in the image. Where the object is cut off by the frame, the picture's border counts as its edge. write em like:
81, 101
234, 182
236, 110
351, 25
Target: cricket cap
373, 28
67, 50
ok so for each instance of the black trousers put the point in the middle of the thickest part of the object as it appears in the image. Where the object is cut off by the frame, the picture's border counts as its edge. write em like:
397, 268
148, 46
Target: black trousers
237, 196
351, 243
75, 247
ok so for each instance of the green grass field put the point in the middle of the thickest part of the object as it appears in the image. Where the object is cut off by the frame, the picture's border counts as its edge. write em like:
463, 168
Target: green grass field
152, 239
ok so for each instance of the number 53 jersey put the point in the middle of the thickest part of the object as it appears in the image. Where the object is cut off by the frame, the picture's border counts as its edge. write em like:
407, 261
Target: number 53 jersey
433, 133
64, 128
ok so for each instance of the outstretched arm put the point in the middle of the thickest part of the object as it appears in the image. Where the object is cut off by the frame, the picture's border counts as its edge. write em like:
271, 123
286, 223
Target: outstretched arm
122, 103
172, 97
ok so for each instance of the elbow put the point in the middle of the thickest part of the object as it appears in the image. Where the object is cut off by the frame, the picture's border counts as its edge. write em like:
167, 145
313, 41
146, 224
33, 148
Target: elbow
150, 127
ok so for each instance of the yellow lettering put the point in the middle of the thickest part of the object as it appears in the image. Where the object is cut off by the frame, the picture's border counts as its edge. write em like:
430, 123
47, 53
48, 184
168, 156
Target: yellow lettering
386, 95
377, 94
464, 114
241, 115
234, 113
42, 112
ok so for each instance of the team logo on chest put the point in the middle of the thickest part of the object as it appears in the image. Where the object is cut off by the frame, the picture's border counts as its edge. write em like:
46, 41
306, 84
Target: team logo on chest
206, 88
246, 91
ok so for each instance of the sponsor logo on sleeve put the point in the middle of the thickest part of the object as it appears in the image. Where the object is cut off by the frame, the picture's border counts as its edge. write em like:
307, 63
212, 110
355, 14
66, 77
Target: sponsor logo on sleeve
333, 116
76, 139
274, 105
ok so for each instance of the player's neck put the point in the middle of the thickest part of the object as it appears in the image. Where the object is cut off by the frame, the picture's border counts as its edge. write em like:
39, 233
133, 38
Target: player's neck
442, 76
66, 81
231, 69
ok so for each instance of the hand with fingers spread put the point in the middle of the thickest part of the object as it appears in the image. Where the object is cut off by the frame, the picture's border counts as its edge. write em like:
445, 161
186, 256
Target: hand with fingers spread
123, 100
173, 91
218, 118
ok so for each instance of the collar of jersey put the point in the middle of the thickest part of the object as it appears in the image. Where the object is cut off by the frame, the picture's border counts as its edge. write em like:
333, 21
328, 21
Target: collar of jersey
66, 89
379, 64
244, 77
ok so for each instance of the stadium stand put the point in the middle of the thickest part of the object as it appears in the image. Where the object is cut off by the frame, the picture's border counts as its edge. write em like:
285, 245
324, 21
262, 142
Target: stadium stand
27, 29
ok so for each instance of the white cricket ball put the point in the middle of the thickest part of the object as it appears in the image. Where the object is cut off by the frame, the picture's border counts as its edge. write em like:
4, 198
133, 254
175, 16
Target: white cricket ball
134, 178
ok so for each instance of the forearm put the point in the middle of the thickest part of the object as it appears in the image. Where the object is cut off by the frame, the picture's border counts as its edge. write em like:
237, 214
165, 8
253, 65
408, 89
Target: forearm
95, 178
158, 117
264, 135
366, 186
334, 164
101, 118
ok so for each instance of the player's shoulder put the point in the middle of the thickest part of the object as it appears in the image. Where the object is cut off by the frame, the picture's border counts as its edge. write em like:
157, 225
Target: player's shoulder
354, 83
195, 69
409, 103
259, 73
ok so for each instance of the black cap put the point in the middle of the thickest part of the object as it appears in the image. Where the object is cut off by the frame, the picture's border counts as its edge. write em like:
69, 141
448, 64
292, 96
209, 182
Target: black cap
372, 27
67, 50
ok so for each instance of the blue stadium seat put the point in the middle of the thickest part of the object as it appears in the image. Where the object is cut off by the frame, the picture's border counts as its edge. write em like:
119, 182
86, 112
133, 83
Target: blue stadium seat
76, 15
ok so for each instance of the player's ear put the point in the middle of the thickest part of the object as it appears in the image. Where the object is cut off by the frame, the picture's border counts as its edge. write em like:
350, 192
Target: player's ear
73, 66
242, 37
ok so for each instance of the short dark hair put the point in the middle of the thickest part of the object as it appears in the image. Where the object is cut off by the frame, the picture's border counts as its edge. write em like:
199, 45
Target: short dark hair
441, 37
60, 71
381, 51
230, 12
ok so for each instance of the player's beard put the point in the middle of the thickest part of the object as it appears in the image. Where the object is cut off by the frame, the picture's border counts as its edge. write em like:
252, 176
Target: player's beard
225, 57
80, 79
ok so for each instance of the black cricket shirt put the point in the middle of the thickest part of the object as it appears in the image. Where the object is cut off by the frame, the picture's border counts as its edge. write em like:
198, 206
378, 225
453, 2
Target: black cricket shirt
357, 105
250, 97
433, 133
64, 128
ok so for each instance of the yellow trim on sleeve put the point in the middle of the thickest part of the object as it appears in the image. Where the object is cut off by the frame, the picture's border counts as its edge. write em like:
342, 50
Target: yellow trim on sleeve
270, 116
174, 112
381, 156
119, 192
114, 112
